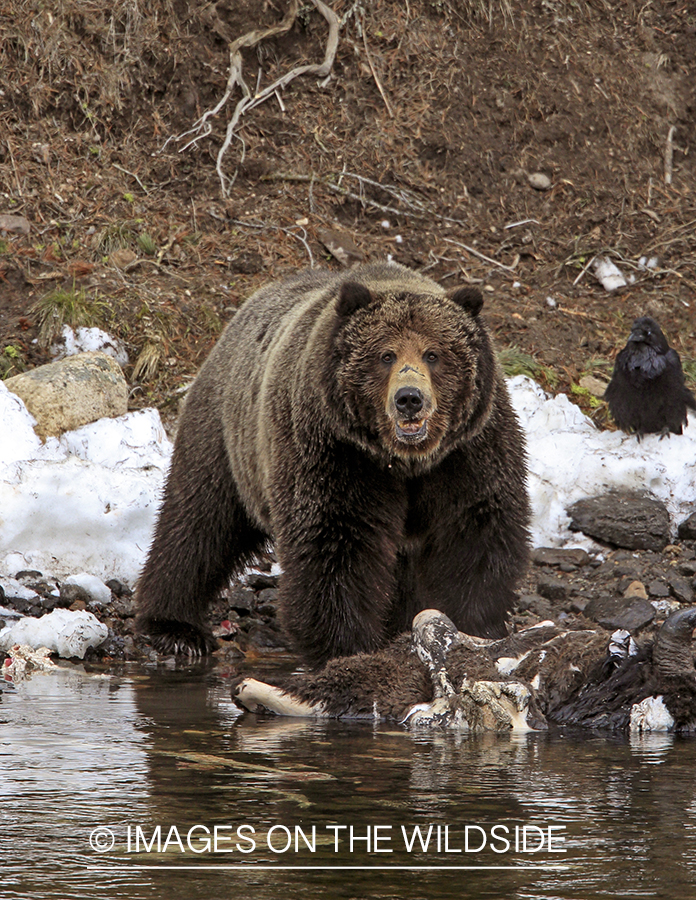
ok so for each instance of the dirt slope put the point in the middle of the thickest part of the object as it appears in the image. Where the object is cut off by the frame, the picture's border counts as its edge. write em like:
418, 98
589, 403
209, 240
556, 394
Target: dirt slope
421, 140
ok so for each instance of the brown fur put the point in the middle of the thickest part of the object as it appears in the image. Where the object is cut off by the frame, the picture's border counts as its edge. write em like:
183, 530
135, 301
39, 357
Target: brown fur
380, 503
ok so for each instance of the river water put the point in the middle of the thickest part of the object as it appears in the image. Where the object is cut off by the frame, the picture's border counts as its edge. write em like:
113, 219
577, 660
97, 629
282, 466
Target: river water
125, 786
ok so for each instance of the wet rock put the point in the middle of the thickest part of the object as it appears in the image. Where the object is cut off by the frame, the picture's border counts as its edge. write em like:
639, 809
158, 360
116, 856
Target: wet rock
226, 630
125, 607
98, 593
72, 392
241, 599
257, 581
552, 588
267, 602
550, 556
229, 652
262, 635
658, 589
619, 612
535, 604
680, 588
117, 588
633, 521
687, 529
71, 593
114, 646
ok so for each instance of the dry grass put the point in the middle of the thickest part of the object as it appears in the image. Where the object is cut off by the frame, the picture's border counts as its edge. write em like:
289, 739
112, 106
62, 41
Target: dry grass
89, 49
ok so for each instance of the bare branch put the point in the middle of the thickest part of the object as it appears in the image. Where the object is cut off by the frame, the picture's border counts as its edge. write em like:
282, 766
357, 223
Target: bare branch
203, 127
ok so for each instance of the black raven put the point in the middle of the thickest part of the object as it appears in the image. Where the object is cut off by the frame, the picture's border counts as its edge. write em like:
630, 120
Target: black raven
647, 394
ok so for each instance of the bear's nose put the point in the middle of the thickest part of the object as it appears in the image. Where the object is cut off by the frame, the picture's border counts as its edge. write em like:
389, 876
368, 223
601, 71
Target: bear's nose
408, 401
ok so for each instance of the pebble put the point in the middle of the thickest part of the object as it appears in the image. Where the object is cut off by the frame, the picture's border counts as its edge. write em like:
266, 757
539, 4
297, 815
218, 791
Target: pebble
539, 181
593, 385
636, 589
16, 224
551, 556
535, 604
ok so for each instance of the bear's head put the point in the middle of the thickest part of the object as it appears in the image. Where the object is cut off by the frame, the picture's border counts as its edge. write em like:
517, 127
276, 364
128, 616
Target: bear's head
415, 371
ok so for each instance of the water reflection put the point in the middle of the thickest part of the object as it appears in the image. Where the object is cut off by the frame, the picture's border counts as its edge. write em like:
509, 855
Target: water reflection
166, 749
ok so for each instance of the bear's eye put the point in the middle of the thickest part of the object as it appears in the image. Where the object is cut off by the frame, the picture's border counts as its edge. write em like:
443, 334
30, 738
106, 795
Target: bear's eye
431, 356
389, 358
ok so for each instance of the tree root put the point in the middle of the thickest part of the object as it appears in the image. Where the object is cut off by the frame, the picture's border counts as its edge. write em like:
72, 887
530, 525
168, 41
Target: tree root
203, 127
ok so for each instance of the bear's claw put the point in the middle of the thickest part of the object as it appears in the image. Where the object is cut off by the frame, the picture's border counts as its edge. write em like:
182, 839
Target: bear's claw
173, 638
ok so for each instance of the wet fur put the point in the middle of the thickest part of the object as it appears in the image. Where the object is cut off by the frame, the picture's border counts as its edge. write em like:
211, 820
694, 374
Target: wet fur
288, 433
576, 682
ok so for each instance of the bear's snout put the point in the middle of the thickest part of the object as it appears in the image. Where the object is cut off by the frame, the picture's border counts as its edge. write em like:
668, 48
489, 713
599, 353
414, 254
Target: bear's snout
409, 401
411, 404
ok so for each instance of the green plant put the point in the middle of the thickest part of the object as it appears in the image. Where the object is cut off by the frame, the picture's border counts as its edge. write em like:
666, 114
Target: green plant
11, 362
67, 306
115, 237
146, 244
588, 396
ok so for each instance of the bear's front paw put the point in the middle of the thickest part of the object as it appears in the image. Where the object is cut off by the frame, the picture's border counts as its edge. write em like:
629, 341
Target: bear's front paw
173, 638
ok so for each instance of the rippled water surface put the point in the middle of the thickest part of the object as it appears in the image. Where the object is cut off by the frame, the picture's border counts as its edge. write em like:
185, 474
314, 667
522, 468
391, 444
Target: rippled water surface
155, 763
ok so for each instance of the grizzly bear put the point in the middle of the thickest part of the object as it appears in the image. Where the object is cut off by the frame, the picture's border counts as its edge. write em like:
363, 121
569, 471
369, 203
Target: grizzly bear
361, 422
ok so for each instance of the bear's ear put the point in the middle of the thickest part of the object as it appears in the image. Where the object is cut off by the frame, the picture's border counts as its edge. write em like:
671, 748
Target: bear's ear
469, 298
353, 296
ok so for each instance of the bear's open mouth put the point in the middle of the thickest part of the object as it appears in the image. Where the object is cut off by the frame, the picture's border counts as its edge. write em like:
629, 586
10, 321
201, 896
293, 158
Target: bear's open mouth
412, 432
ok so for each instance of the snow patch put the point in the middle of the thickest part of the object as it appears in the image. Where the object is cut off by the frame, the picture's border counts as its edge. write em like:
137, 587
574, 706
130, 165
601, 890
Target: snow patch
63, 632
89, 339
569, 458
86, 502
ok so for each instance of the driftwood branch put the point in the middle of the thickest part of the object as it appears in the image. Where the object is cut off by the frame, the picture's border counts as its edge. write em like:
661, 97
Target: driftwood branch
203, 127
